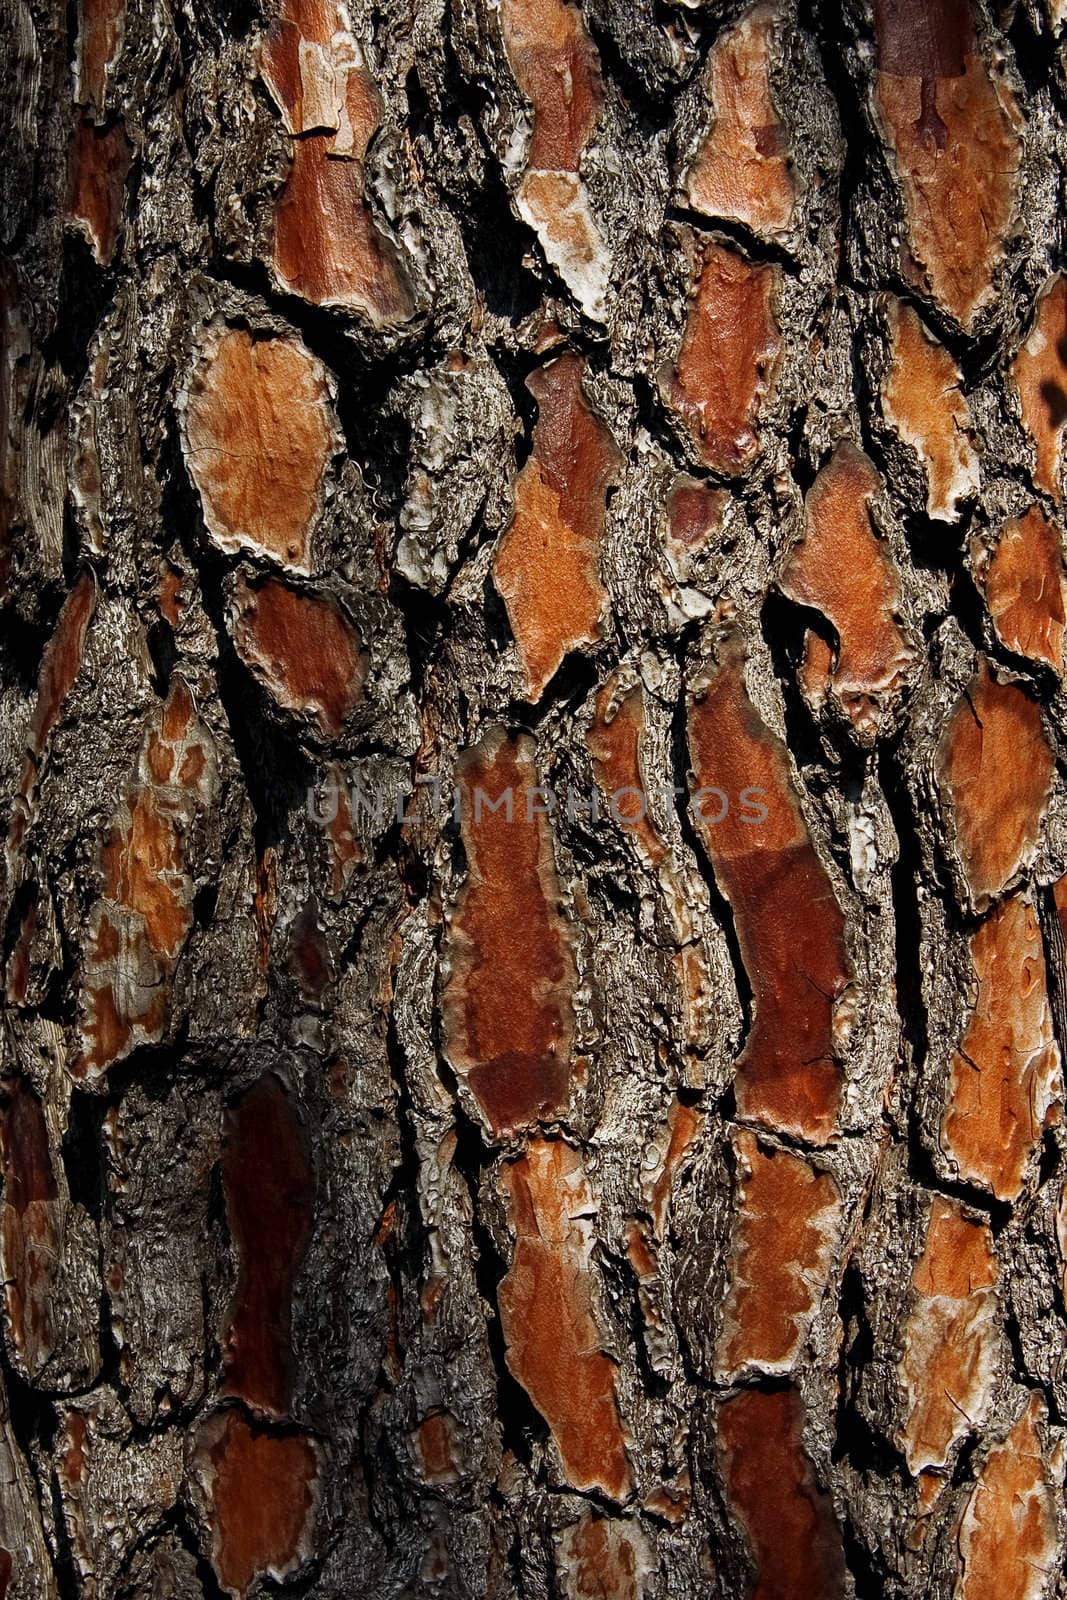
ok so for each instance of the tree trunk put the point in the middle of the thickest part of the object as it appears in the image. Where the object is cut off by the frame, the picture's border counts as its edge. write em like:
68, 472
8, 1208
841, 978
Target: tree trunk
533, 899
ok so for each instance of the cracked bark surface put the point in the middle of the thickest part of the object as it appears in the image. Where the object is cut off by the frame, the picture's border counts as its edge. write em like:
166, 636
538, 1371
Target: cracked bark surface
534, 892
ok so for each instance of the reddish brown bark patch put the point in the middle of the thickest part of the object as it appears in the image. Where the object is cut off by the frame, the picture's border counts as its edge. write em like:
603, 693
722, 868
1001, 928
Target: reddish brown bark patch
557, 67
558, 70
139, 926
511, 970
951, 1337
953, 133
269, 1189
694, 518
305, 63
29, 1239
258, 435
436, 1436
262, 1495
728, 359
742, 170
786, 1231
789, 925
24, 1147
302, 648
60, 666
1024, 588
327, 245
1005, 1079
1040, 375
793, 1537
995, 767
923, 402
62, 660
101, 28
603, 1560
100, 160
843, 569
1008, 1537
546, 567
547, 1316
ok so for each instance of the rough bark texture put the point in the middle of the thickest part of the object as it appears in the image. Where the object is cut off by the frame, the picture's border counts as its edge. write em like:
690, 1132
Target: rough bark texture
629, 435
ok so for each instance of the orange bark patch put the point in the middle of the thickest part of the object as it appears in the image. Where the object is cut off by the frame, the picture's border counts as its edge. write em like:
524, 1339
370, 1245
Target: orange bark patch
1005, 1078
546, 1313
143, 870
793, 1537
602, 1560
996, 768
1024, 588
139, 926
742, 170
558, 70
511, 969
671, 1501
101, 27
728, 358
263, 1495
1008, 1538
269, 1189
306, 61
546, 566
303, 649
557, 67
922, 400
789, 925
950, 1338
258, 435
953, 133
327, 245
29, 1240
844, 570
786, 1231
1040, 375
100, 160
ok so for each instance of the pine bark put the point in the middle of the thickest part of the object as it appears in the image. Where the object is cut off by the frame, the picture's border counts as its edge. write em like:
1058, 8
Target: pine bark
532, 720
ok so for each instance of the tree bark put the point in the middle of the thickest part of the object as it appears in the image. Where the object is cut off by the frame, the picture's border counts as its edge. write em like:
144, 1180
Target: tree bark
534, 891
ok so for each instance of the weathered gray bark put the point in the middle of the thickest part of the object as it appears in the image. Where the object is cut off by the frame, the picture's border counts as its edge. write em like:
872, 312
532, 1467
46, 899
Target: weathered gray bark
639, 397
